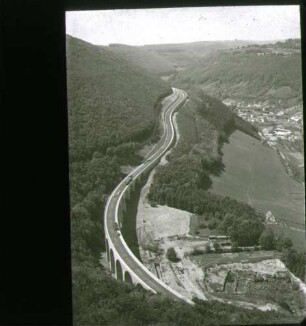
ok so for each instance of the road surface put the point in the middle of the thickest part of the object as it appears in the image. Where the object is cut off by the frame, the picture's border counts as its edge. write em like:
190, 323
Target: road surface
112, 207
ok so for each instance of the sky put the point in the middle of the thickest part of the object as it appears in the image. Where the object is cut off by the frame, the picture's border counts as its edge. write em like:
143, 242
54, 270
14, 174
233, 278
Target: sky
184, 25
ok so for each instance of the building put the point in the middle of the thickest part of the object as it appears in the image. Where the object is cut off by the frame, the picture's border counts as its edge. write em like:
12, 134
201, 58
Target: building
270, 218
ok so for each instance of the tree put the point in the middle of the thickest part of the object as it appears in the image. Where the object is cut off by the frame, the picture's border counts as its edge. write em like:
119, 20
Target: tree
212, 224
246, 231
171, 255
266, 239
207, 249
281, 242
227, 222
217, 247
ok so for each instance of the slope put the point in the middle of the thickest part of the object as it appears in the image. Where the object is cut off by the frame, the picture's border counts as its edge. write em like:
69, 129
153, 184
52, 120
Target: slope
145, 58
270, 71
186, 54
103, 91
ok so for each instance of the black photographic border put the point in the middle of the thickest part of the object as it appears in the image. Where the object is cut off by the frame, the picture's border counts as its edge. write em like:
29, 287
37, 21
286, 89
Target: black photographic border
35, 254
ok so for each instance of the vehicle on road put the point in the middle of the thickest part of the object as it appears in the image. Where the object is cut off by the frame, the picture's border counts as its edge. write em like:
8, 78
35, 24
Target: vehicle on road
116, 226
128, 180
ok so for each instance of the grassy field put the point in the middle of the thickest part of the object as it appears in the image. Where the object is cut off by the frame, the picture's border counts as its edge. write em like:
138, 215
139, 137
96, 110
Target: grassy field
254, 174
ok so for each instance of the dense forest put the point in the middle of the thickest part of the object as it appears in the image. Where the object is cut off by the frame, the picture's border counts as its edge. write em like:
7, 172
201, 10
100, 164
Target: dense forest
100, 82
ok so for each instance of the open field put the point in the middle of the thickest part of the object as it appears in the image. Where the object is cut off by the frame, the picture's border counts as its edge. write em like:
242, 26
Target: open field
254, 174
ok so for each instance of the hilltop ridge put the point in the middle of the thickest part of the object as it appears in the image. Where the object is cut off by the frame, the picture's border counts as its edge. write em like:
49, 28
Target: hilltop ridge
268, 71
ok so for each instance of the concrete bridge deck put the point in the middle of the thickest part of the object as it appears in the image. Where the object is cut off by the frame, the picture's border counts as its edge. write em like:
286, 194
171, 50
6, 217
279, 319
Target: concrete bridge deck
123, 263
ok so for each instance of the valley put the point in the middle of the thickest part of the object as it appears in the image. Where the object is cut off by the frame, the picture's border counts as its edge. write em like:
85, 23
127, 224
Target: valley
264, 172
220, 218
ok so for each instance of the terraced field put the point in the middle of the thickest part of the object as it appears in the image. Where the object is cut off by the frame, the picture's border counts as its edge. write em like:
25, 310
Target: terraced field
254, 174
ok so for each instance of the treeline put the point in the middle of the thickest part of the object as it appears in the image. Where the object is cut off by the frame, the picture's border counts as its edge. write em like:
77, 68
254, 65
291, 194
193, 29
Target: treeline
287, 44
216, 113
198, 139
225, 121
246, 127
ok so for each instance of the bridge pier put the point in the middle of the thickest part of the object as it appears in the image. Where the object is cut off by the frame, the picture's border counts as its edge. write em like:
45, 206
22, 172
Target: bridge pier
123, 204
112, 261
107, 250
119, 275
120, 270
127, 193
128, 278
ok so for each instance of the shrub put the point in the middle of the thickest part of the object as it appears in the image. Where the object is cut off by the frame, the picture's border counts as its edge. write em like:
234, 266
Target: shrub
217, 247
171, 255
207, 249
266, 239
212, 224
230, 277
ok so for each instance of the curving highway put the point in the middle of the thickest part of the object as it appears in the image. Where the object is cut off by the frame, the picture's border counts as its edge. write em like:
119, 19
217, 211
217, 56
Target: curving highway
111, 214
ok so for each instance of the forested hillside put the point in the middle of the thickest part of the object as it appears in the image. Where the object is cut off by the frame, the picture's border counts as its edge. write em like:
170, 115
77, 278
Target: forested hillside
104, 90
145, 58
185, 54
167, 59
270, 71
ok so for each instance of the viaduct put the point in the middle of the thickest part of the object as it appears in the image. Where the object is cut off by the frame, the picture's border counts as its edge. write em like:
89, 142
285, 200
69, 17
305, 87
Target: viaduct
122, 262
